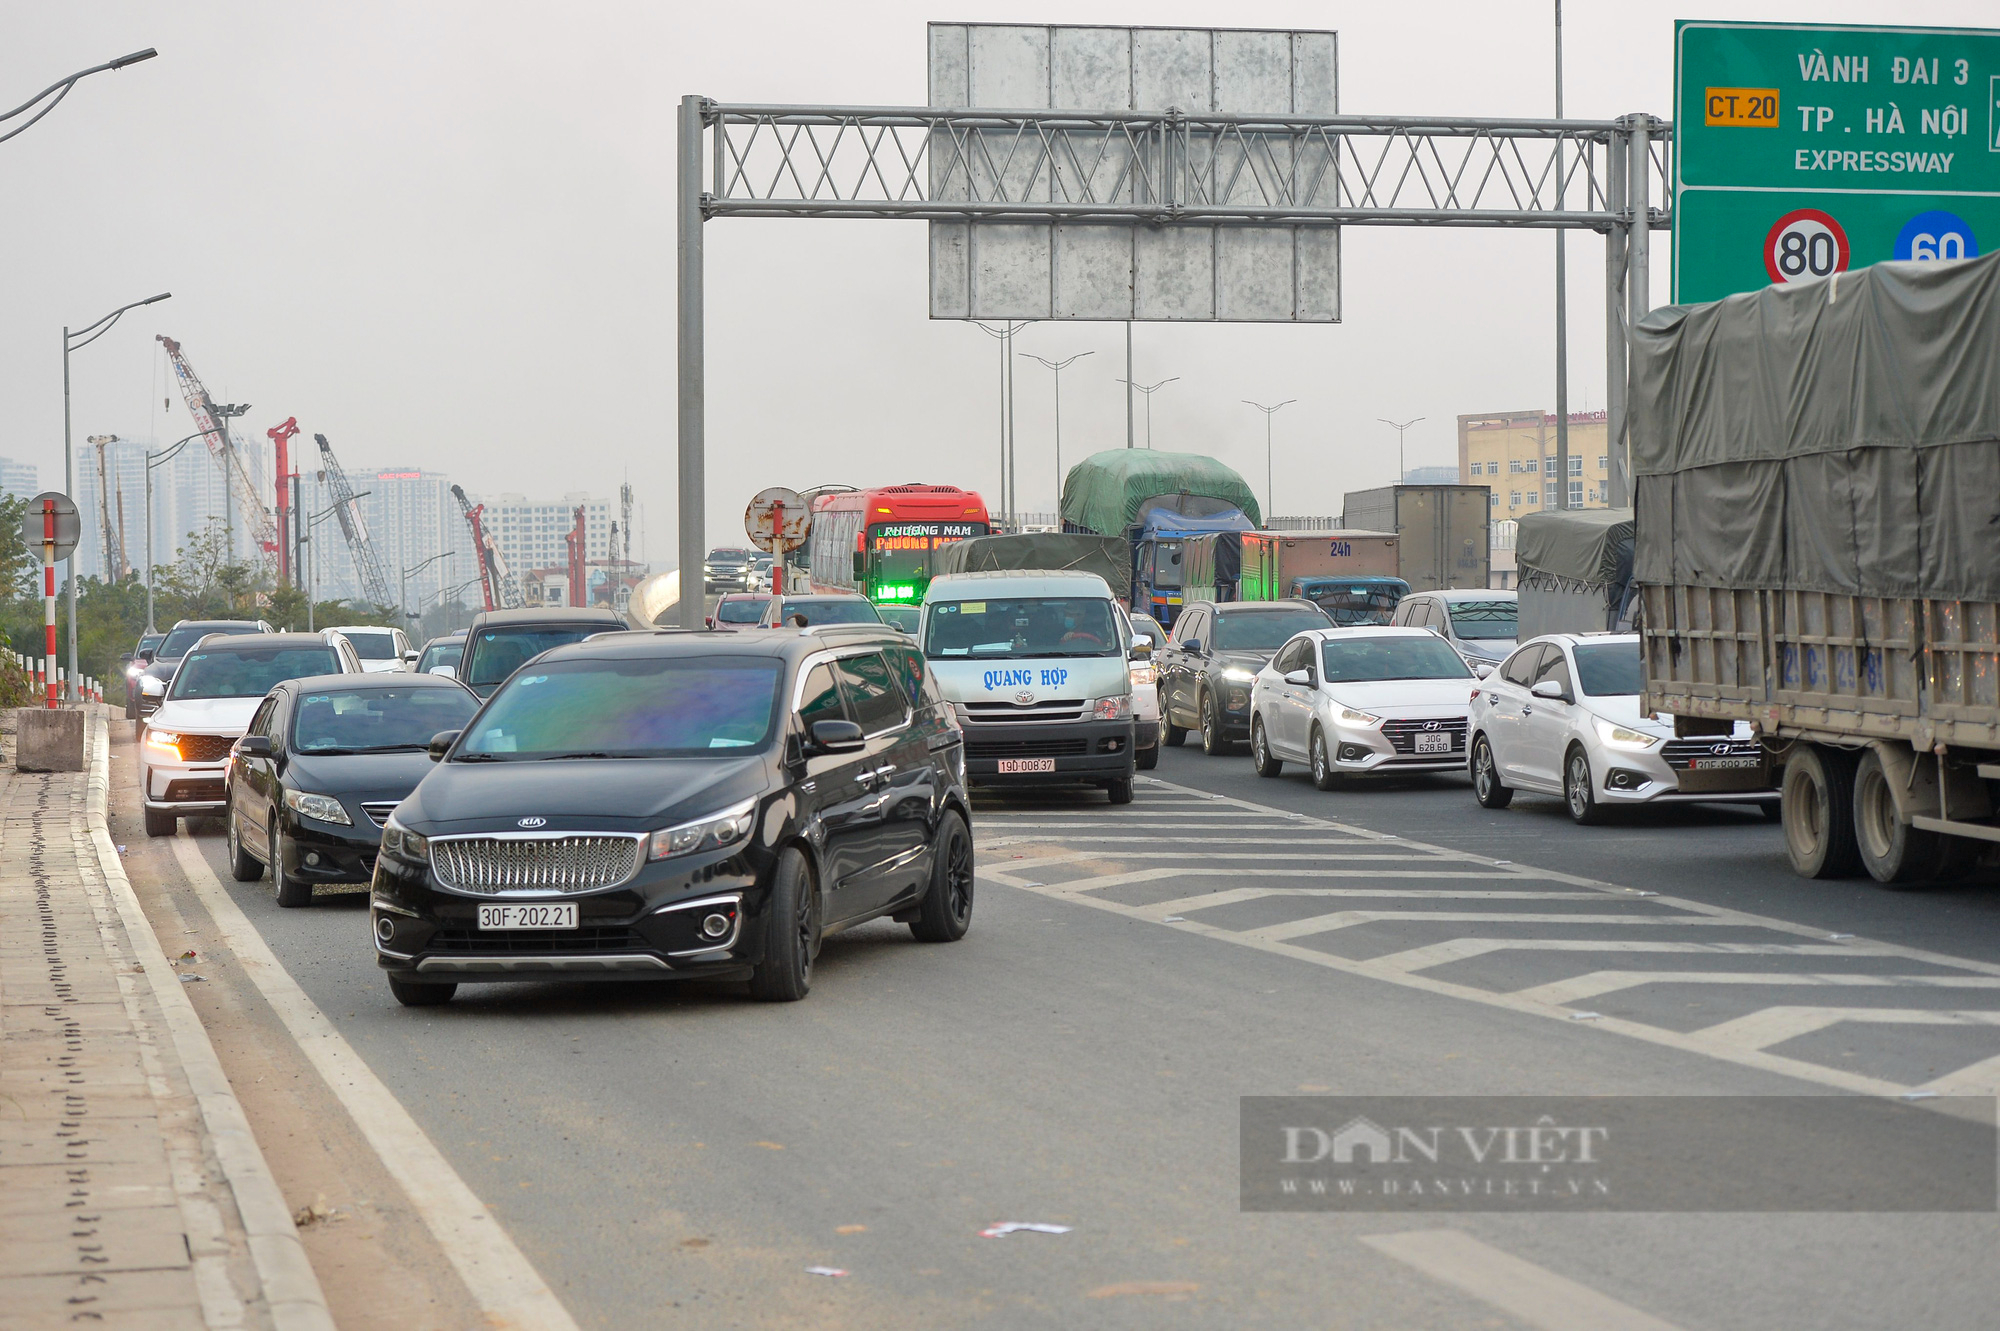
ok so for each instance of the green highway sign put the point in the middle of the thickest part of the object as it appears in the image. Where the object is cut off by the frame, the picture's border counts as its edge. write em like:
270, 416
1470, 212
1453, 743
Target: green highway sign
1802, 150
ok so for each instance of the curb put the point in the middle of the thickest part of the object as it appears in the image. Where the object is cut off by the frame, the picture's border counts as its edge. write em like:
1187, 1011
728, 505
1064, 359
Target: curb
291, 1289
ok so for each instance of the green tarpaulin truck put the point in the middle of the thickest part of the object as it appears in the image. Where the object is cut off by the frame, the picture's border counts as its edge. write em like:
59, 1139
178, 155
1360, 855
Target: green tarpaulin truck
1817, 472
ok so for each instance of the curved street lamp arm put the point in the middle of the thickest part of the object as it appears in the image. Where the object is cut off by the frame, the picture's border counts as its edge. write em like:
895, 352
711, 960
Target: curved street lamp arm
110, 321
64, 85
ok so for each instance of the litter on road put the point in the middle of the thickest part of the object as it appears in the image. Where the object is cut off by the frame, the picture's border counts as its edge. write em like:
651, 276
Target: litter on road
825, 1271
1006, 1227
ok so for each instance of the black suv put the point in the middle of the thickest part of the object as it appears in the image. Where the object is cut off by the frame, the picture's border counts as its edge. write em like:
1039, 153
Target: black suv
698, 805
499, 642
145, 690
1210, 659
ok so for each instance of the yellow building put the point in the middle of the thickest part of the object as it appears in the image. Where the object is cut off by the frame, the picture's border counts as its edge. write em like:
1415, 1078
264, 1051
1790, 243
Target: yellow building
1513, 453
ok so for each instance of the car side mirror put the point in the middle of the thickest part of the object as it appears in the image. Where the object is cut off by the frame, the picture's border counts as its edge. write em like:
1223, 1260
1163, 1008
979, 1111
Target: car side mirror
1482, 669
860, 565
1192, 646
441, 743
410, 658
254, 746
1548, 688
1141, 645
1299, 677
836, 737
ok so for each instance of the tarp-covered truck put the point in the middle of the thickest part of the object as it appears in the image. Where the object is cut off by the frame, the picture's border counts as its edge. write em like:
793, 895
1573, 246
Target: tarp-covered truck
1817, 475
1274, 560
1444, 532
1057, 552
1575, 566
1154, 501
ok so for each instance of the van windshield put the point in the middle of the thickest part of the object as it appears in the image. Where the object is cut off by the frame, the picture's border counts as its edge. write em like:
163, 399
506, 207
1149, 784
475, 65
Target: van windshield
997, 629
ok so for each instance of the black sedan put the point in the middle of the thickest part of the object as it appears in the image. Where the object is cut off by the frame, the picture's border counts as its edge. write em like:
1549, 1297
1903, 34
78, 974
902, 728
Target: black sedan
680, 805
325, 760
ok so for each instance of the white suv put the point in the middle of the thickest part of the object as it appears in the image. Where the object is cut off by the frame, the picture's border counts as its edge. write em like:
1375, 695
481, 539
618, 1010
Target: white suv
381, 649
215, 691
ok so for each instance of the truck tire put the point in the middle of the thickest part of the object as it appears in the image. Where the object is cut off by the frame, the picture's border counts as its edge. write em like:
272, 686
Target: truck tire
1819, 812
1891, 850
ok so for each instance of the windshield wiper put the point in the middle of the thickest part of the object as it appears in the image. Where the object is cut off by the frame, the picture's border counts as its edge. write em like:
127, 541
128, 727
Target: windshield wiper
482, 758
558, 757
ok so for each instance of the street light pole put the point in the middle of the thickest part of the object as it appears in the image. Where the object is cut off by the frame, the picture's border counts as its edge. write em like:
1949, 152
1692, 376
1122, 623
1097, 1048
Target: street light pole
1006, 335
312, 555
1270, 493
1057, 366
1402, 469
155, 460
77, 341
1148, 390
65, 85
403, 592
1562, 297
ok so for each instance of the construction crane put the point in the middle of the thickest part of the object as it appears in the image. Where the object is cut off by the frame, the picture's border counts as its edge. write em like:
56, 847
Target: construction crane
281, 439
209, 419
367, 565
496, 581
114, 536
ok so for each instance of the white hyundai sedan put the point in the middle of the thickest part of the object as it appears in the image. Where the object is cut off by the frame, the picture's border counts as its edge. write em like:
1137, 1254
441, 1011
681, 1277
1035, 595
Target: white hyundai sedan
207, 708
1361, 701
1561, 717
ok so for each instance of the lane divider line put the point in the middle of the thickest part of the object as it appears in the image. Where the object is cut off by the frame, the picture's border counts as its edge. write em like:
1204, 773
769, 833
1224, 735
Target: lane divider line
292, 1293
498, 1275
1531, 1293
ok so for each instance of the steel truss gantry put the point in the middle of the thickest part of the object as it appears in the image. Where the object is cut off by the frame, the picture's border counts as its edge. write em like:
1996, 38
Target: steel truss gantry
1162, 168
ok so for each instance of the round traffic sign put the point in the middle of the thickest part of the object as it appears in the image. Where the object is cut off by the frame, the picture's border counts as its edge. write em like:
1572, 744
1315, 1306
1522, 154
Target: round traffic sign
1805, 243
771, 531
1936, 235
34, 525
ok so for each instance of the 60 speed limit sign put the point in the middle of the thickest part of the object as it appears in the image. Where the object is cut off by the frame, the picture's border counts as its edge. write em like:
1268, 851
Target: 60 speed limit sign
1805, 243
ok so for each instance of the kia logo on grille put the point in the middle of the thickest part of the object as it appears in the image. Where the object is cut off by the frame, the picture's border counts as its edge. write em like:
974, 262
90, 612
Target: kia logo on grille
532, 822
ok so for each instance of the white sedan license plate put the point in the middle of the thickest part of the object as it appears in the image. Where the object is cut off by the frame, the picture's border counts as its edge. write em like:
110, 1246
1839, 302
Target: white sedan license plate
1438, 743
554, 915
1010, 766
1711, 764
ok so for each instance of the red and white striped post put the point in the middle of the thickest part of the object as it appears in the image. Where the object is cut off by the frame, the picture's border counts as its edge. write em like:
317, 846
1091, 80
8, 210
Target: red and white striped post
49, 586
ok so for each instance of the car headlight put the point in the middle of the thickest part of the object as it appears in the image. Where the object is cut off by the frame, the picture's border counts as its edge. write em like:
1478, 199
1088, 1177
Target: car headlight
151, 684
1238, 675
1349, 717
164, 743
400, 840
1144, 673
713, 833
1618, 737
1113, 709
323, 807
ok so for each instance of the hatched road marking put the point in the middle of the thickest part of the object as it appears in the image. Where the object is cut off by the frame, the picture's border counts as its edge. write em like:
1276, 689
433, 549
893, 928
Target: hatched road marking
1633, 924
1535, 1295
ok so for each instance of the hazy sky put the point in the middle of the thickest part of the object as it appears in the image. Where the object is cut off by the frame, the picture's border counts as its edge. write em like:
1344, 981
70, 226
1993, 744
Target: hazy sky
442, 234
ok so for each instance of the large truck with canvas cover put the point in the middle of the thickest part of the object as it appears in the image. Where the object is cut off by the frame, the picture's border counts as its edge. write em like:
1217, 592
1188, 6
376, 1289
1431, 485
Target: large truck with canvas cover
1574, 571
1155, 501
1817, 471
1443, 533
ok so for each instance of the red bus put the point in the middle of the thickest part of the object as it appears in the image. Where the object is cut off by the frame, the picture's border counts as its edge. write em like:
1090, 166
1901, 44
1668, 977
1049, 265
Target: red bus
877, 541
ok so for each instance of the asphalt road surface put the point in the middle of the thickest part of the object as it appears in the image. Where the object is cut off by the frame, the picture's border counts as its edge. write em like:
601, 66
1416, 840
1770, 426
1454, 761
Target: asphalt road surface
679, 1157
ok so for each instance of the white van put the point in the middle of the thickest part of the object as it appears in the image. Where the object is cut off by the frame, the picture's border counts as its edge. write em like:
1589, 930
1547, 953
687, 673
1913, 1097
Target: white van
1036, 666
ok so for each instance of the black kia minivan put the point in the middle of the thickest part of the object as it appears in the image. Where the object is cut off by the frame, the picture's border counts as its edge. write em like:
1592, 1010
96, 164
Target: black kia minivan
701, 805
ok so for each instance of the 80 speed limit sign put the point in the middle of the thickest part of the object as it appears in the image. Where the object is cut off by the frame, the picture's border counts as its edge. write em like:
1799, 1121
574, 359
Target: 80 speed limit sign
1805, 243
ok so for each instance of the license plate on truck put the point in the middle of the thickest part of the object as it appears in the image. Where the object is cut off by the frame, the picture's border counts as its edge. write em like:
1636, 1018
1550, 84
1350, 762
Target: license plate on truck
554, 915
1014, 766
1714, 764
1438, 743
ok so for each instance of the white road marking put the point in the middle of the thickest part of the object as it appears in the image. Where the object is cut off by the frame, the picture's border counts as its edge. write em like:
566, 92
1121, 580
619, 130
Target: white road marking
1531, 1293
496, 1273
1597, 983
1464, 949
1775, 1025
1209, 900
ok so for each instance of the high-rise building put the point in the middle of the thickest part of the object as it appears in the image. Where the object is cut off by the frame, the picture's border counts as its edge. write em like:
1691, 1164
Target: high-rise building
411, 517
530, 533
19, 478
1513, 453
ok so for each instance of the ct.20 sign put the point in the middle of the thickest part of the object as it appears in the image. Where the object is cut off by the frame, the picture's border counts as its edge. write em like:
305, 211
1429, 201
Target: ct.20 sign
1804, 150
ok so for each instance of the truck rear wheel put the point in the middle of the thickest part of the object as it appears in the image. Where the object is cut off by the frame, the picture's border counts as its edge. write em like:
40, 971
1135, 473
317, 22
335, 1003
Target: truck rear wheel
1891, 850
1819, 812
